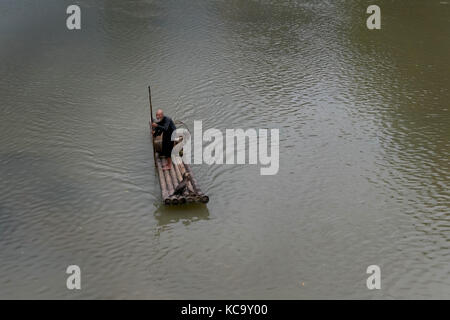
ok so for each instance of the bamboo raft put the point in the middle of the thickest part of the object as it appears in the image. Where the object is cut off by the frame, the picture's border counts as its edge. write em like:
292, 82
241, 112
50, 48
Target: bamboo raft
169, 179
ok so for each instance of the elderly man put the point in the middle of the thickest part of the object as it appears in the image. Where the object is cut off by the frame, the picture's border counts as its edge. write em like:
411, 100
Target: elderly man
165, 126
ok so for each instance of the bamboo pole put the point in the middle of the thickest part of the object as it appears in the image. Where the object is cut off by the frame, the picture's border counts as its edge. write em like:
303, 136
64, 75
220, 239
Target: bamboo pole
182, 171
174, 177
150, 100
169, 183
181, 198
188, 193
177, 171
203, 197
162, 182
189, 184
192, 191
151, 121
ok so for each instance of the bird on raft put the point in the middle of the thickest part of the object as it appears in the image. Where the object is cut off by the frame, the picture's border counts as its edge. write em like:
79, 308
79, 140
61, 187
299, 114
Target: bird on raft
182, 186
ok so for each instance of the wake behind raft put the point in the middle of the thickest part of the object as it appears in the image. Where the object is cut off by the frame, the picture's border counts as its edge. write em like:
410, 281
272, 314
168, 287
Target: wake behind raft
178, 184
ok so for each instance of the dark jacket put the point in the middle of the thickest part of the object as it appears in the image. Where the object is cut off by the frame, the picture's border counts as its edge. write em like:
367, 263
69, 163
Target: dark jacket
166, 127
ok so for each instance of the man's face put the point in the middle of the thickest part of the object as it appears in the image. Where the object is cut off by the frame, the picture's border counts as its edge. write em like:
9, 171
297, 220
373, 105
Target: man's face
159, 115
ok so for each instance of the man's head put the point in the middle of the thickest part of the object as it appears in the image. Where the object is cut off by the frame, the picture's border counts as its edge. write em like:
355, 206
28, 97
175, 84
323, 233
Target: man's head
159, 115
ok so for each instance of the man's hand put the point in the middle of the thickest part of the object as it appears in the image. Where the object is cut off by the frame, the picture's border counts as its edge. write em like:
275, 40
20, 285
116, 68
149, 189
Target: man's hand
154, 125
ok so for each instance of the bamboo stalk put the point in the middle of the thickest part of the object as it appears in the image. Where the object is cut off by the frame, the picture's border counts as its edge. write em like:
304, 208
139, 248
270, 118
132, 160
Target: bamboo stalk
197, 197
177, 171
188, 193
182, 171
203, 197
173, 175
169, 183
151, 121
162, 182
181, 198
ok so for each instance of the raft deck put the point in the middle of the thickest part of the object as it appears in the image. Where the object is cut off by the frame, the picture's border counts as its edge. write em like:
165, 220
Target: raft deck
169, 180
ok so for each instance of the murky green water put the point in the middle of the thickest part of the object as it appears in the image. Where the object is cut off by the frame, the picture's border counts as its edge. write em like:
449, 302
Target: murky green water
364, 149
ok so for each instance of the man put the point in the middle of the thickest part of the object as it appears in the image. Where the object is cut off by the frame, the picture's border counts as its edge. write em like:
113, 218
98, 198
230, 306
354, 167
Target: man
165, 126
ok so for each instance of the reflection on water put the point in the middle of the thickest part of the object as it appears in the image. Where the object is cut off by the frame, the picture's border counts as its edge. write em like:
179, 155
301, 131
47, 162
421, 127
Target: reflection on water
364, 149
185, 214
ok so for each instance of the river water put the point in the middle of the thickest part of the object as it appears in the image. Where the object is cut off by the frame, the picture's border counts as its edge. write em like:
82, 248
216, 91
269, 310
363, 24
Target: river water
364, 126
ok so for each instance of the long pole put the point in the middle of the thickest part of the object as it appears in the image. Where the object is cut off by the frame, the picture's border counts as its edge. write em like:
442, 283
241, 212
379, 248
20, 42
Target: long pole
150, 99
151, 121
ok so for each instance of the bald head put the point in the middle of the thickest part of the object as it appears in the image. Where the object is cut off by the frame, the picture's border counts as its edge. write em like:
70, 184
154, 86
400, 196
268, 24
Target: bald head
159, 114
